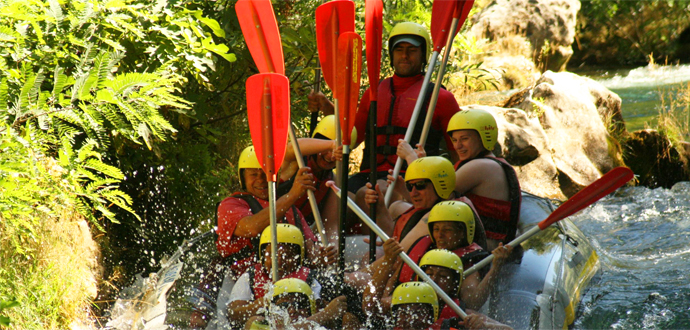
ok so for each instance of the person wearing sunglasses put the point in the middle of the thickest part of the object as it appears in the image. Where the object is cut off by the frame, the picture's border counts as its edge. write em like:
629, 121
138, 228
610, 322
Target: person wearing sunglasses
428, 180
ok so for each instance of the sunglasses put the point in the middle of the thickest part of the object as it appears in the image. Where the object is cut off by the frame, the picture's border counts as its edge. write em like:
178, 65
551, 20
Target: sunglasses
420, 185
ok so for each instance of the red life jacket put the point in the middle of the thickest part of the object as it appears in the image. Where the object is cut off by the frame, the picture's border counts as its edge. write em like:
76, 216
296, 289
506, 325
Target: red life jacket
407, 221
424, 244
499, 217
258, 278
393, 117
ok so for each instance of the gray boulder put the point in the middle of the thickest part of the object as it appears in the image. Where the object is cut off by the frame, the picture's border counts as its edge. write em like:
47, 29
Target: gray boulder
557, 133
549, 25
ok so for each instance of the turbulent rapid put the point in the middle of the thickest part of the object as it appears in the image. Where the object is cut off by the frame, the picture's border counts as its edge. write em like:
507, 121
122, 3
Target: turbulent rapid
643, 239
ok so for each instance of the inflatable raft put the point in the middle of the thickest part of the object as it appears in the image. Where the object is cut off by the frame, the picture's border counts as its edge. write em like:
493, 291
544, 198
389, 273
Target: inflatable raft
541, 287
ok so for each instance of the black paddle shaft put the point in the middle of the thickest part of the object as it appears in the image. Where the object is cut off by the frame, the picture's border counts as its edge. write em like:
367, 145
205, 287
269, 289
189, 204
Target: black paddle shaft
317, 88
342, 211
371, 137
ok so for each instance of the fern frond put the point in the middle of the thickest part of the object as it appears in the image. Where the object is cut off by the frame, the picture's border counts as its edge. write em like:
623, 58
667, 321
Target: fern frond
59, 80
105, 169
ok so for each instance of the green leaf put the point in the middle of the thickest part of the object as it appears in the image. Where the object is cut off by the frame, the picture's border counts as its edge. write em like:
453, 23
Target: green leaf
218, 49
211, 23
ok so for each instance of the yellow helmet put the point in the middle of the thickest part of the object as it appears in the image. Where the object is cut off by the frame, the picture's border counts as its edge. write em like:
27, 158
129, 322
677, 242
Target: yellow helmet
326, 128
452, 211
438, 170
294, 285
443, 258
287, 233
415, 293
410, 32
247, 159
479, 120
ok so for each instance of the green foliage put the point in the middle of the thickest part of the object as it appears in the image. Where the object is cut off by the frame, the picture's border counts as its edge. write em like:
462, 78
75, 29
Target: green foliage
4, 320
627, 32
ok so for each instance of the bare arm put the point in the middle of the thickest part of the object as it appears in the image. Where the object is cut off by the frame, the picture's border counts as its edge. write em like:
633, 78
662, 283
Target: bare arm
241, 310
253, 225
309, 146
475, 291
483, 177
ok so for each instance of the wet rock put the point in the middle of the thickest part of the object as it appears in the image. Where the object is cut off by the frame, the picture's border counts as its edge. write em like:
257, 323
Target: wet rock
549, 25
651, 155
577, 116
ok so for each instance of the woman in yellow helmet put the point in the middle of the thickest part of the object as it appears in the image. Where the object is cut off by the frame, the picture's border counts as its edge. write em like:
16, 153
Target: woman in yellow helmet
488, 181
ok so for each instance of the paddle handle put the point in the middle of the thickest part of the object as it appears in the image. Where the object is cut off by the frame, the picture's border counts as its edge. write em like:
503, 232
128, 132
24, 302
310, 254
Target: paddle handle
310, 194
410, 128
274, 229
405, 258
439, 79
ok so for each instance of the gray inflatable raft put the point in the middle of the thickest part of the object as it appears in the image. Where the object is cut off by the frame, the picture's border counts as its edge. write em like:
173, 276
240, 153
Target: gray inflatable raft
541, 288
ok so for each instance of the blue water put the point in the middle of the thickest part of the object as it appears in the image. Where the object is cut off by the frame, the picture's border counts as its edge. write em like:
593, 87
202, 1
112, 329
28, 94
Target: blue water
643, 239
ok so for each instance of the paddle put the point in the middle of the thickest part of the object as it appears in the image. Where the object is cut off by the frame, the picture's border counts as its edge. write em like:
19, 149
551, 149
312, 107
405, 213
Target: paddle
348, 75
441, 17
405, 258
373, 22
260, 30
317, 88
268, 110
462, 9
332, 19
605, 185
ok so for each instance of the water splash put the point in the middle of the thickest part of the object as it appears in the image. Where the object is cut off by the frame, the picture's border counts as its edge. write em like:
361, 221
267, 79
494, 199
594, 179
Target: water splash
648, 76
642, 237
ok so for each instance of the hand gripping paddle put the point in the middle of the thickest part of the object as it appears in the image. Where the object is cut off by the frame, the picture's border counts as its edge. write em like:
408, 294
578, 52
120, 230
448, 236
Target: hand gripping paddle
441, 18
260, 29
605, 185
373, 22
405, 258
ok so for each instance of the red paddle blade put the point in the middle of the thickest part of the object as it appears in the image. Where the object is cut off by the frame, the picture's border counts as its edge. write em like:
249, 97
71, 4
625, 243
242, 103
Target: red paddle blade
348, 76
332, 19
466, 7
605, 185
268, 109
260, 30
373, 22
442, 14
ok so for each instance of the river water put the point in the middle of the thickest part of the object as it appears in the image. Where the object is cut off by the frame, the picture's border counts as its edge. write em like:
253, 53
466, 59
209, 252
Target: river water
643, 241
642, 89
642, 235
